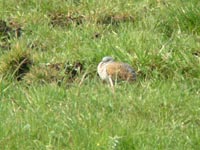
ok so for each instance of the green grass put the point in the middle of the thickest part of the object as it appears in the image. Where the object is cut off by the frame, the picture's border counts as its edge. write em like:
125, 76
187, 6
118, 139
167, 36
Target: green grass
43, 107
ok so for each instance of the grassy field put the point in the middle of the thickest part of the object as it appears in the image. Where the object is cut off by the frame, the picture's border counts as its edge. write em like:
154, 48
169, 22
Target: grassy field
51, 97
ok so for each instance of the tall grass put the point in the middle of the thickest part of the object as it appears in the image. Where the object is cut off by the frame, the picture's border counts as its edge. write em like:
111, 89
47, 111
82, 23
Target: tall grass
49, 103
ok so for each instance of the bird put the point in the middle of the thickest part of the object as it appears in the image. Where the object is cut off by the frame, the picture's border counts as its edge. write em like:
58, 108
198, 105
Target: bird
112, 71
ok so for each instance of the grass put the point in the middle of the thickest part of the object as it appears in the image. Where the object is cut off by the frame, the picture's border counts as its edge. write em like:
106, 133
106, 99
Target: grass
52, 98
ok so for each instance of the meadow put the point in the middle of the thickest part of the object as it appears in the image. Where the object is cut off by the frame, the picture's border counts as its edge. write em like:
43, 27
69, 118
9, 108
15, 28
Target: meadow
51, 97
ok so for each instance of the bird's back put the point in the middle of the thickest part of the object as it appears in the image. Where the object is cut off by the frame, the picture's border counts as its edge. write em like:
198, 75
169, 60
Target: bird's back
120, 71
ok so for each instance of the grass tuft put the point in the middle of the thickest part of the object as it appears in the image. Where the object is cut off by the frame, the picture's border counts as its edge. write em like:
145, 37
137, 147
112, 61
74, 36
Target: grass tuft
16, 63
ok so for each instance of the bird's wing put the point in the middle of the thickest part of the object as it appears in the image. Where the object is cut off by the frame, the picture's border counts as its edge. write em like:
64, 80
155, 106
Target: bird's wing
118, 70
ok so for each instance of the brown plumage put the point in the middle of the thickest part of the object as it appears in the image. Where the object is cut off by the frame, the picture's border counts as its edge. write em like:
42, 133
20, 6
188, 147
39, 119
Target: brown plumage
120, 71
109, 70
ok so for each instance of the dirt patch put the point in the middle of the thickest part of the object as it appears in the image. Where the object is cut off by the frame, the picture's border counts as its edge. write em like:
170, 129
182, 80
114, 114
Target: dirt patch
72, 70
13, 30
22, 67
4, 35
4, 29
96, 35
55, 73
65, 20
115, 18
196, 53
16, 28
75, 18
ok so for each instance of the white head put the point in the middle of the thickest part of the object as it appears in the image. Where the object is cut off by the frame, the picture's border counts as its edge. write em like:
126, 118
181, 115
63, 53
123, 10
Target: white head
107, 59
101, 69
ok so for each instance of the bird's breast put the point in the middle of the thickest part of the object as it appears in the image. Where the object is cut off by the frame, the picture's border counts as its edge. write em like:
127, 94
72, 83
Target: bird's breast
101, 69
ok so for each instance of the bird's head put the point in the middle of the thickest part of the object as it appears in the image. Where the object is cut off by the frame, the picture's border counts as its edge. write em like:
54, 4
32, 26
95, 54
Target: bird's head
107, 59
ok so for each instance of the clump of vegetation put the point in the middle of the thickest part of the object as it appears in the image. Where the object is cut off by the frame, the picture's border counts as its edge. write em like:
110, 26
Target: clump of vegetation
115, 18
16, 63
65, 19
